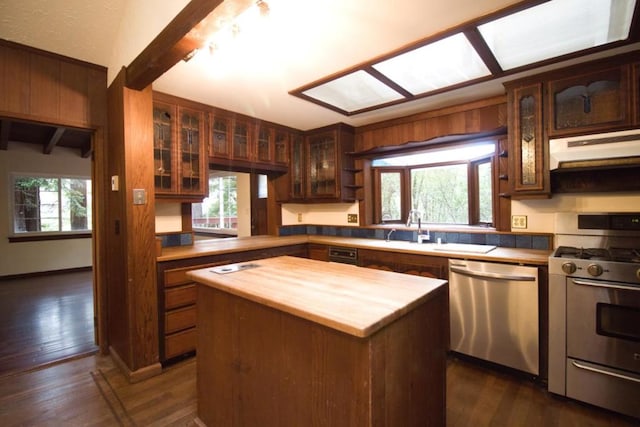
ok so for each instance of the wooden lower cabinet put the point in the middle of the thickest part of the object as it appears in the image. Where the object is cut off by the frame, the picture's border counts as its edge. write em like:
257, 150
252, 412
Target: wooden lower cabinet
419, 265
177, 297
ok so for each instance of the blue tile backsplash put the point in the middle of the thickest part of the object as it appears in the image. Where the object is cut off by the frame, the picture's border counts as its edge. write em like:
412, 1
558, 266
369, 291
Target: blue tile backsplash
519, 240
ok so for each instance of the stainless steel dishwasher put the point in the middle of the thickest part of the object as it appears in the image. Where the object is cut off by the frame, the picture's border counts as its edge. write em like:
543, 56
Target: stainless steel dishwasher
494, 313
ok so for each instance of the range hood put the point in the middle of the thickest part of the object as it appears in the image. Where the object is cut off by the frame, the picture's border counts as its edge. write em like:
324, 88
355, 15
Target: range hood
603, 150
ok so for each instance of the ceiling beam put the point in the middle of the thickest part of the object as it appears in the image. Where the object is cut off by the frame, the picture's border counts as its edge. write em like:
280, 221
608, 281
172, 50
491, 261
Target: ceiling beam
53, 141
5, 128
189, 30
86, 150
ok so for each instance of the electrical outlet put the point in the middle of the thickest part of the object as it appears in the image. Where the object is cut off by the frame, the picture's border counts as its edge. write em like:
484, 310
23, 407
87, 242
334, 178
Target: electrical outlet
352, 218
518, 221
299, 217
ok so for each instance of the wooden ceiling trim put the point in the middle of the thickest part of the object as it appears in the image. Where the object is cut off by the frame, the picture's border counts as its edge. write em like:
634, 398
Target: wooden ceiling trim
87, 150
189, 30
5, 129
53, 141
481, 47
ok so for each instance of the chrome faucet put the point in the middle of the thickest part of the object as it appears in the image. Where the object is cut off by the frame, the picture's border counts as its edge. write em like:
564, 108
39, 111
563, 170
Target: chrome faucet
389, 234
422, 237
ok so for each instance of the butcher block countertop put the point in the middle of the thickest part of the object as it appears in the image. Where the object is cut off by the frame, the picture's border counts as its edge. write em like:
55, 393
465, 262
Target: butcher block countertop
354, 300
230, 245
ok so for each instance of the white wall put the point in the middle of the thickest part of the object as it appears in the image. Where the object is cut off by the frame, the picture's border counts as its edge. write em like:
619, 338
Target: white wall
541, 213
318, 214
29, 257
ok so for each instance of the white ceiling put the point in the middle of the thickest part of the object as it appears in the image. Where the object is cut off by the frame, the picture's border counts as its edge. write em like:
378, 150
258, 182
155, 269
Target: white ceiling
299, 42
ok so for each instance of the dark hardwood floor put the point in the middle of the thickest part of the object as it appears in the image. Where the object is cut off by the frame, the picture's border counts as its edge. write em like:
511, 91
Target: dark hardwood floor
45, 319
91, 391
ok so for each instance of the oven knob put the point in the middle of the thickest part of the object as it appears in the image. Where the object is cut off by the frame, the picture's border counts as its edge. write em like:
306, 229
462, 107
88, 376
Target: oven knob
569, 267
594, 269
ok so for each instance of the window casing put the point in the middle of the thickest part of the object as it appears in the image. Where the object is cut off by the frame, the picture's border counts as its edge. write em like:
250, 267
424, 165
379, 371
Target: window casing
50, 205
459, 191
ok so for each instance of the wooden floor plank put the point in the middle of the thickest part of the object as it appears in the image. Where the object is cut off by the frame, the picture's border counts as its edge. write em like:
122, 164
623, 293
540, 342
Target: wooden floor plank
68, 394
45, 319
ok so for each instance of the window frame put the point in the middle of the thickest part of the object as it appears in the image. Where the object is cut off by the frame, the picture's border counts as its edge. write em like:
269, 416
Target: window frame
472, 186
28, 236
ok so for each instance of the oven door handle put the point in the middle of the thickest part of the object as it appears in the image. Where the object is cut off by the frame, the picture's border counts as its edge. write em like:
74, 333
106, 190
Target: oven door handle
602, 371
604, 285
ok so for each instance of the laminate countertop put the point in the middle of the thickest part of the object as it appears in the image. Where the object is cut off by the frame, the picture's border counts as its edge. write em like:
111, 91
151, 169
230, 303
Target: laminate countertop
354, 300
240, 244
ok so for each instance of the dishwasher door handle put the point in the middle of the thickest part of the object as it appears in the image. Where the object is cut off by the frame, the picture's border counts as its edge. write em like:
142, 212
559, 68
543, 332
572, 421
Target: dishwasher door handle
489, 275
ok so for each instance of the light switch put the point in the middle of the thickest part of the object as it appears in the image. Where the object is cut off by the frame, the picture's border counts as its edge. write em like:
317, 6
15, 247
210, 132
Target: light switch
115, 183
139, 196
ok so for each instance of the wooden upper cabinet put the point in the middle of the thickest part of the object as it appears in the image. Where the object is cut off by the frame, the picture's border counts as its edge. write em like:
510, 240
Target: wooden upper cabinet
179, 151
528, 173
221, 137
242, 140
590, 102
281, 147
322, 166
265, 143
164, 162
192, 166
329, 165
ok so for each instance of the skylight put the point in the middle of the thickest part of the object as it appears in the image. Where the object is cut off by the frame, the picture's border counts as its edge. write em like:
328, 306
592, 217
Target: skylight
560, 27
443, 63
478, 51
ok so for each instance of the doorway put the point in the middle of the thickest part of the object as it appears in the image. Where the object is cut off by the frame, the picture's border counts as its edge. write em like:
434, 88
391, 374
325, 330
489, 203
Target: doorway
48, 297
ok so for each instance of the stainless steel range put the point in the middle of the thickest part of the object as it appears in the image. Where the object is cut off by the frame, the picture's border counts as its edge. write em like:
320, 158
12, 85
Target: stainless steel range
594, 310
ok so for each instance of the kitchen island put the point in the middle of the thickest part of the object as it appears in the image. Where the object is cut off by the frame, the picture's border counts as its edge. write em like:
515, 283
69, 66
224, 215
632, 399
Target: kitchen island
292, 341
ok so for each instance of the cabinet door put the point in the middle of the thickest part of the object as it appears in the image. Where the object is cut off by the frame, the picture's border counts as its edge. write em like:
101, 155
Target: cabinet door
241, 140
527, 148
191, 152
164, 168
221, 137
297, 168
265, 144
592, 102
281, 147
322, 168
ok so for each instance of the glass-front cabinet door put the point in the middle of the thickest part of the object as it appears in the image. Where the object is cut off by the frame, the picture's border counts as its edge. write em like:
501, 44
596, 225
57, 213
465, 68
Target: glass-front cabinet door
220, 145
527, 174
280, 147
321, 166
191, 152
265, 142
590, 102
163, 148
241, 140
297, 168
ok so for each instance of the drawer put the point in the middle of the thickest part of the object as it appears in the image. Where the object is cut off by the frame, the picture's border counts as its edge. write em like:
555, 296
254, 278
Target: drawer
179, 343
179, 319
179, 296
178, 276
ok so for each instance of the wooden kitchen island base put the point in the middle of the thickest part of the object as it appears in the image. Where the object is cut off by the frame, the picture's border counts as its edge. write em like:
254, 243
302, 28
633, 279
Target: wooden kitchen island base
261, 366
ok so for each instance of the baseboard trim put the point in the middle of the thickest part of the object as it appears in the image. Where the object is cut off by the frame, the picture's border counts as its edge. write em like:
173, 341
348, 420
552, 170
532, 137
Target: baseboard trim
45, 273
137, 375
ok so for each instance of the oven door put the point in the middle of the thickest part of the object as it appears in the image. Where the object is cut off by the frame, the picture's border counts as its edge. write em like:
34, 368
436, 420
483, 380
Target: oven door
603, 323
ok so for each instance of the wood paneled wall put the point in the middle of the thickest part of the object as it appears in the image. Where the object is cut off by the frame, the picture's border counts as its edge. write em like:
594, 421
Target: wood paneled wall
474, 117
132, 305
40, 86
